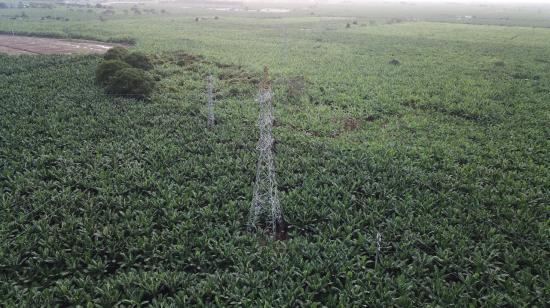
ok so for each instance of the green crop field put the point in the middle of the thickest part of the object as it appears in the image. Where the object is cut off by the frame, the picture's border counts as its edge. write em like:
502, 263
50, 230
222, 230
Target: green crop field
429, 130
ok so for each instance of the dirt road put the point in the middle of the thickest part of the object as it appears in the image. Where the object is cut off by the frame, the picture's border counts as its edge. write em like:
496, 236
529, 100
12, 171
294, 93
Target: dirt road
14, 45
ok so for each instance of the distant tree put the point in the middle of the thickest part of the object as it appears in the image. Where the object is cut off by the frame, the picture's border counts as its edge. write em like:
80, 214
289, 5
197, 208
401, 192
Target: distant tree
348, 25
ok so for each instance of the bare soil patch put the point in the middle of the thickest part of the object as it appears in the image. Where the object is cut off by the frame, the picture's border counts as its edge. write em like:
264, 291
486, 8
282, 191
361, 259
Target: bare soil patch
16, 44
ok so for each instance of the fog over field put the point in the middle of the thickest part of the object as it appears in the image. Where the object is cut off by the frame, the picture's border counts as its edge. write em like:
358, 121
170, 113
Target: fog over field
451, 2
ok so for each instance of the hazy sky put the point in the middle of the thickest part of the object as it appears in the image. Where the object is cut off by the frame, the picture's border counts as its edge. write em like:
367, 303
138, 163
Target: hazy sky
458, 1
466, 2
440, 1
410, 1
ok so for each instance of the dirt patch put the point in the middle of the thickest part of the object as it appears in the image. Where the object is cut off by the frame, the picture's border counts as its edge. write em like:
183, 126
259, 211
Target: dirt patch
15, 44
11, 51
237, 76
350, 124
186, 59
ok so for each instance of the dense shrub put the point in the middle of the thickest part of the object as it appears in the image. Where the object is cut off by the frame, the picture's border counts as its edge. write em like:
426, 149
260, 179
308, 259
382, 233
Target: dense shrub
123, 73
131, 82
122, 40
107, 69
138, 60
116, 53
394, 62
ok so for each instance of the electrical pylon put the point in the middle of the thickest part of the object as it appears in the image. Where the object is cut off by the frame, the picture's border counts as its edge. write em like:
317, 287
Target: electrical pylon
265, 200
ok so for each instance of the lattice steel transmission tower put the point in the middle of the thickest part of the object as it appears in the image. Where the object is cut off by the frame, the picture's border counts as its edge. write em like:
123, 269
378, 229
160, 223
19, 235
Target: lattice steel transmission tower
209, 92
265, 200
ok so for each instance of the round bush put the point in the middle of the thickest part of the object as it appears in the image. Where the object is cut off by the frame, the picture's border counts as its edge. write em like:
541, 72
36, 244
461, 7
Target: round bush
116, 53
107, 69
138, 60
394, 62
131, 82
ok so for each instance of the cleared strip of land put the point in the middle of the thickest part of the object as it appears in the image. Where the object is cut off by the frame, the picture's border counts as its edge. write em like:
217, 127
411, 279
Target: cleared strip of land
15, 44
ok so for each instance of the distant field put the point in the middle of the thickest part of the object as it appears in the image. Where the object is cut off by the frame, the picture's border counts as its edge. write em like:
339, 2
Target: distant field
432, 133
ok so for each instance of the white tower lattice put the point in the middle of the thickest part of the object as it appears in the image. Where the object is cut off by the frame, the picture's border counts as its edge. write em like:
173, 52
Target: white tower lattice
265, 200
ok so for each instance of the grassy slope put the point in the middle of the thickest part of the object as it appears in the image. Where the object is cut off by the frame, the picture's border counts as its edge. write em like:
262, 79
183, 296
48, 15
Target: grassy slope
116, 199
